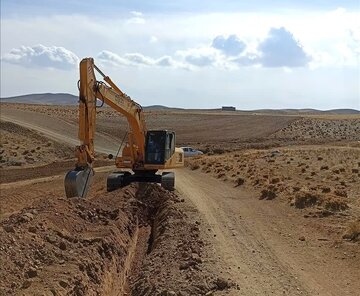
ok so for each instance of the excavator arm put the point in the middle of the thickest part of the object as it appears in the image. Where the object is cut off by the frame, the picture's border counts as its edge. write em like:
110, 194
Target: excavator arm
77, 182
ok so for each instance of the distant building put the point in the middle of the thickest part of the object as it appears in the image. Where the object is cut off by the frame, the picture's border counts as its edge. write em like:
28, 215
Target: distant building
228, 108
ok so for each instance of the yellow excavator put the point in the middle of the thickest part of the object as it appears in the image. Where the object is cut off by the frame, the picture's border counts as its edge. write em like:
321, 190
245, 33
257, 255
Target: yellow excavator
145, 152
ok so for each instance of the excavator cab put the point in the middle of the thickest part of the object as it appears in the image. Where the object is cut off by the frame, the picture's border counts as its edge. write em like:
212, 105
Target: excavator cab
159, 146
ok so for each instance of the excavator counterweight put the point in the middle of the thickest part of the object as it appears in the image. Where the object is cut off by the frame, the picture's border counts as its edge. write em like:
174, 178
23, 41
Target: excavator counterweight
145, 152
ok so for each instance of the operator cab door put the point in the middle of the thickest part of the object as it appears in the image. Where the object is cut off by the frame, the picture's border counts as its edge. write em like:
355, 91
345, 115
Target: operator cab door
160, 146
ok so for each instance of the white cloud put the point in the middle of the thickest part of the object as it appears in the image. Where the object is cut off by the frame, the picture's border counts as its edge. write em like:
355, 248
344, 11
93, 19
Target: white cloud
42, 56
166, 61
138, 59
110, 58
200, 57
246, 60
231, 45
136, 13
137, 18
281, 49
278, 49
153, 39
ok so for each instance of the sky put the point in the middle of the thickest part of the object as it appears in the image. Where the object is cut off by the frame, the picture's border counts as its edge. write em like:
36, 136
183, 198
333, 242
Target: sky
192, 54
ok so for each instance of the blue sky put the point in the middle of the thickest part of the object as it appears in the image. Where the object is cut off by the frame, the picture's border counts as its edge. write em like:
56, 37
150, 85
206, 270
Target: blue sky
96, 7
196, 54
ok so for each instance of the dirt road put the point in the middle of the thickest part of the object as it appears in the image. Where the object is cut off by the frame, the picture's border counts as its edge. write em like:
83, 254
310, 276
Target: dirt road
258, 243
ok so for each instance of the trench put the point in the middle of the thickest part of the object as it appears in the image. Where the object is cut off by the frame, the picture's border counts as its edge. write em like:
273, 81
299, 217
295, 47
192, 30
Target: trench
150, 214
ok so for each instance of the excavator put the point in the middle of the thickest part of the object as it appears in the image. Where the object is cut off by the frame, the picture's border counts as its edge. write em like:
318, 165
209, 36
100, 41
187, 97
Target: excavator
143, 155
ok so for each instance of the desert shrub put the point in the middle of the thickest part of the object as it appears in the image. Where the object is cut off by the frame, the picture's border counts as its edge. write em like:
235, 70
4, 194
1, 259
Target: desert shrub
335, 204
218, 151
326, 189
220, 175
340, 192
353, 231
275, 180
305, 199
239, 181
194, 166
268, 193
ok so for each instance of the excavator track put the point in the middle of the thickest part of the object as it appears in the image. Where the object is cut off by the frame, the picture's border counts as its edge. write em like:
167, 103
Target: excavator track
118, 180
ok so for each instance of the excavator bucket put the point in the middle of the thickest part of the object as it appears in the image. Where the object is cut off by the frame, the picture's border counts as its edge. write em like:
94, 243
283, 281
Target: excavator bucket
77, 182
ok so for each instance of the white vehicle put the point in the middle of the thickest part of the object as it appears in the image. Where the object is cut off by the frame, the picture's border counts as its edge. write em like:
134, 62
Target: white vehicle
188, 151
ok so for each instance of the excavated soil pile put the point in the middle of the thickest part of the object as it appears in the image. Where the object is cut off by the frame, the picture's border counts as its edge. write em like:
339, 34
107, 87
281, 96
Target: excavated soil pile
134, 240
62, 246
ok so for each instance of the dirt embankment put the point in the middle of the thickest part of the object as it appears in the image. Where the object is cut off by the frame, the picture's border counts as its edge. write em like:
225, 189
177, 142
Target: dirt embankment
22, 147
321, 181
320, 130
129, 240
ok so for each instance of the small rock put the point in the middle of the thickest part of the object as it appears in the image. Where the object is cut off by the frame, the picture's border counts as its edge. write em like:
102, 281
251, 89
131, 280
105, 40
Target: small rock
26, 284
51, 238
63, 284
34, 211
32, 229
196, 258
32, 272
302, 238
9, 228
27, 217
221, 283
62, 246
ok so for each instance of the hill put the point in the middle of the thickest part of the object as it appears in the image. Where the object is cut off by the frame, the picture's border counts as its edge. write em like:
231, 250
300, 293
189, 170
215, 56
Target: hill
68, 99
45, 98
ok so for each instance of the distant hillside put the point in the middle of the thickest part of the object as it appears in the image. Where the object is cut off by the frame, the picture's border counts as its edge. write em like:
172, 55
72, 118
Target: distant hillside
160, 107
68, 99
307, 111
46, 99
343, 111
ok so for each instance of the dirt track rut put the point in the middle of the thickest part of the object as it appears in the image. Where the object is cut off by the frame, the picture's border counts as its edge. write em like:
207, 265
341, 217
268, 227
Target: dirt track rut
258, 246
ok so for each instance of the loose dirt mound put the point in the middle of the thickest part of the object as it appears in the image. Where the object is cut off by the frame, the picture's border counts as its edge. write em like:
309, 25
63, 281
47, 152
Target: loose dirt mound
21, 147
131, 240
63, 246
